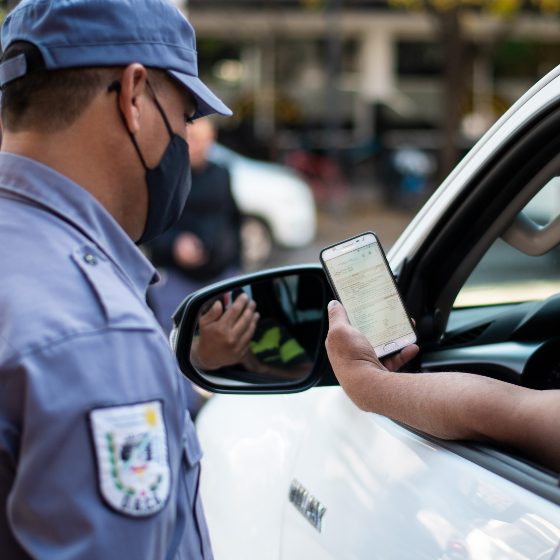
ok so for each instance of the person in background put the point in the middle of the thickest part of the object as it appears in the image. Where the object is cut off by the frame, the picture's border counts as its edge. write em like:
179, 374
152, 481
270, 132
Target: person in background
205, 244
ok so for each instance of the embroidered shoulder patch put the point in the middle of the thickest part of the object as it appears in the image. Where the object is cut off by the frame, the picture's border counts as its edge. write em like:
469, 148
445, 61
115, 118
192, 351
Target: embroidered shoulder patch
132, 457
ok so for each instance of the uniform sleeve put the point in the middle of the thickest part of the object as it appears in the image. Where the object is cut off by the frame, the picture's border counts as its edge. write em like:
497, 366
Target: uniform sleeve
105, 397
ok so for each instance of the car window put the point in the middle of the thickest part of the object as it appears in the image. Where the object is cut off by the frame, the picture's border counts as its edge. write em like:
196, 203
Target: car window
507, 275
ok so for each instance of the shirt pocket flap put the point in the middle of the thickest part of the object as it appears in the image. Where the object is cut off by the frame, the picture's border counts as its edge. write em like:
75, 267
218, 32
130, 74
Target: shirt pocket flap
119, 306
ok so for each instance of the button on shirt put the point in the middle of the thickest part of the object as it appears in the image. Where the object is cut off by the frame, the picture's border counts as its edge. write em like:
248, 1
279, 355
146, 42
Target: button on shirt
98, 456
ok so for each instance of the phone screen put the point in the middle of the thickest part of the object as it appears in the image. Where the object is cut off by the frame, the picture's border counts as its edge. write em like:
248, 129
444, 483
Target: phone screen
365, 286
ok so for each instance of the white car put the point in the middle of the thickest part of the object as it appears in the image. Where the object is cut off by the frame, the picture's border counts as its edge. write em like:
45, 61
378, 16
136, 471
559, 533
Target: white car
277, 205
301, 473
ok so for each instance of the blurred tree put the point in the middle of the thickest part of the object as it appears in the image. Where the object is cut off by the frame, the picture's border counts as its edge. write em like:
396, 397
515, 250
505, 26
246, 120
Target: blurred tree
312, 4
449, 17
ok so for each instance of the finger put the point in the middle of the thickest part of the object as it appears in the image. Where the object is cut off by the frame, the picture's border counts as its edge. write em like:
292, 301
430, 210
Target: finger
345, 343
235, 310
244, 321
213, 314
247, 336
340, 333
337, 314
395, 362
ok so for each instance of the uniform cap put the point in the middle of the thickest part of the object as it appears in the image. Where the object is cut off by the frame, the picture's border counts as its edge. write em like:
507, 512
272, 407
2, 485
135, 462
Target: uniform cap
93, 33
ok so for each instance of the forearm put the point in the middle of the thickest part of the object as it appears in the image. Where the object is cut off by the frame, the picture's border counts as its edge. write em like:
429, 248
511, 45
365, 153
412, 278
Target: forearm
447, 405
468, 407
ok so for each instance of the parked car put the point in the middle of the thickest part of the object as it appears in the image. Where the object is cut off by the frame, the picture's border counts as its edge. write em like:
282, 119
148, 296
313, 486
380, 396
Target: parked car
277, 205
302, 473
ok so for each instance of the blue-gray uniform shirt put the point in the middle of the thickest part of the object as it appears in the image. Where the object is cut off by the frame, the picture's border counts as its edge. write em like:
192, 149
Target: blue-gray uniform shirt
98, 456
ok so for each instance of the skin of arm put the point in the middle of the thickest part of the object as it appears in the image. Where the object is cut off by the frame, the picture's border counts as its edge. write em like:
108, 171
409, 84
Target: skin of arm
448, 405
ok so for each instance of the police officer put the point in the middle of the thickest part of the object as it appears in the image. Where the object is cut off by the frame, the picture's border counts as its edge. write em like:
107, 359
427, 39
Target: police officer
98, 457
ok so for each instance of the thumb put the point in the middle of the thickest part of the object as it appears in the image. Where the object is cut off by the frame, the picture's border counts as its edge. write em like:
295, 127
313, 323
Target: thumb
337, 314
213, 314
345, 342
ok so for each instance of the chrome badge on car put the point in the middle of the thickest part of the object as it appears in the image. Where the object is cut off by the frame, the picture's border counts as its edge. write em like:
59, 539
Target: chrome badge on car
309, 506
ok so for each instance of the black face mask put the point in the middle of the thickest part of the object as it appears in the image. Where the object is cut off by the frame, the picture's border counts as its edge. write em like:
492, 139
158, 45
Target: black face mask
169, 183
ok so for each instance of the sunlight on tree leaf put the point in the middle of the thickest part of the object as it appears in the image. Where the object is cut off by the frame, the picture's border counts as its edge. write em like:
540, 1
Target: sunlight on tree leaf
548, 6
503, 8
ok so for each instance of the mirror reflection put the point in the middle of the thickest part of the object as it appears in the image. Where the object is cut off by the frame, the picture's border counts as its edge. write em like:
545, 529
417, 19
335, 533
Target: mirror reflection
266, 331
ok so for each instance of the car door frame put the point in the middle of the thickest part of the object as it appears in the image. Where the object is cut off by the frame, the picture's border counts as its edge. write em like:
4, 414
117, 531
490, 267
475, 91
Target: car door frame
429, 282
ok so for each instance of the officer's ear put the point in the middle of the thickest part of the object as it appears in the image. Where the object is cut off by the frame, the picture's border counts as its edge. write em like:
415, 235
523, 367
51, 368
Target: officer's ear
133, 95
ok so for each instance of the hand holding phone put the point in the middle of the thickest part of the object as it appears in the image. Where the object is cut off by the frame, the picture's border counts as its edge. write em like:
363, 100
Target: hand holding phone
360, 276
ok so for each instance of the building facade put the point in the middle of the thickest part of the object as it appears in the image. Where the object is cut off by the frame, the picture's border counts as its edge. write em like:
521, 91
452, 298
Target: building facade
359, 72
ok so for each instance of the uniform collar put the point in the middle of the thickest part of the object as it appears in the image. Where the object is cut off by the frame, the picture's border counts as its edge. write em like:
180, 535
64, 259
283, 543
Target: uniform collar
41, 185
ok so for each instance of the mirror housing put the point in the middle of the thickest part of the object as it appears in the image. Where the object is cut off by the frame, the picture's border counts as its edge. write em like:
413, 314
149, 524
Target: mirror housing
286, 348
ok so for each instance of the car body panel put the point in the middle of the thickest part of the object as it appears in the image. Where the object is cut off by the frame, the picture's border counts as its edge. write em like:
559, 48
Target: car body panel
255, 436
370, 473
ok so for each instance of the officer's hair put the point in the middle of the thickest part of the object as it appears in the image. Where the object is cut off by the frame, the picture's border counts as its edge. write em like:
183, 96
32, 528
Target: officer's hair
51, 100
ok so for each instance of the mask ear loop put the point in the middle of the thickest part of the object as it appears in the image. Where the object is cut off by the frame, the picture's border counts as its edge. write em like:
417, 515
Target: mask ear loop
116, 87
160, 109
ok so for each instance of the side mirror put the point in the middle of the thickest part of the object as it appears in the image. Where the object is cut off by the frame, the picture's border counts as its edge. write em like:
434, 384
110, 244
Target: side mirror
224, 347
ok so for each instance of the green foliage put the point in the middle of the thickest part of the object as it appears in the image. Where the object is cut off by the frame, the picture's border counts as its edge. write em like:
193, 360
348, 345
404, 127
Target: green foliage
313, 5
503, 8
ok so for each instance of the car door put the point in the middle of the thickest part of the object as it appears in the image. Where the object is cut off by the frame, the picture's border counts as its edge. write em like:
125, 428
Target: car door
389, 492
309, 475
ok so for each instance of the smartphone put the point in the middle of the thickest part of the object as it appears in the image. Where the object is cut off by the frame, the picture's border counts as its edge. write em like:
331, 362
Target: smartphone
362, 281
